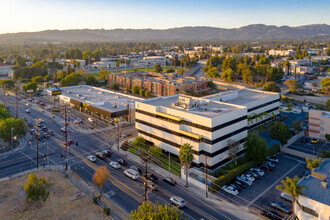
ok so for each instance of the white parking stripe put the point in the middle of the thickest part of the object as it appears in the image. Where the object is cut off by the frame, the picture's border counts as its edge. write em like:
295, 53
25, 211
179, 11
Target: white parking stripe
271, 186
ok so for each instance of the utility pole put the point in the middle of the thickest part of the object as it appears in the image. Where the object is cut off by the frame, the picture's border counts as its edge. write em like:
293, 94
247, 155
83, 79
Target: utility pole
66, 138
205, 164
16, 103
117, 132
146, 158
12, 139
37, 135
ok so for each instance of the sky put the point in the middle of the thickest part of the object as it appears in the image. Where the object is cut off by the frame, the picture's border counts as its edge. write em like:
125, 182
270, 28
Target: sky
38, 15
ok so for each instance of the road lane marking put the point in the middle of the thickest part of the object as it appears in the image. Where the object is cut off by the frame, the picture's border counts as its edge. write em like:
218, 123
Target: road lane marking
27, 156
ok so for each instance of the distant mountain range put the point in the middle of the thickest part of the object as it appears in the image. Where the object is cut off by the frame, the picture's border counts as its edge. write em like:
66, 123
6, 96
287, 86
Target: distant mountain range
250, 32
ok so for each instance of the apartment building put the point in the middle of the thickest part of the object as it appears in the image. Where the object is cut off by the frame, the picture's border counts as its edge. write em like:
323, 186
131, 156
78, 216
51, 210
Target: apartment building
319, 123
274, 52
205, 123
315, 203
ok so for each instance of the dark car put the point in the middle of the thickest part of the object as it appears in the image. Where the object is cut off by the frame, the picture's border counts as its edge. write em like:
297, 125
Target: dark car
101, 155
170, 181
30, 125
122, 162
137, 169
40, 138
265, 167
254, 174
304, 140
271, 214
107, 153
280, 206
51, 132
45, 129
46, 135
40, 125
151, 177
70, 142
241, 184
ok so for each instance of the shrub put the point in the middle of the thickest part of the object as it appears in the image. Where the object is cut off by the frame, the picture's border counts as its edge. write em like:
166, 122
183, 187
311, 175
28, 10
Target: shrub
273, 149
222, 180
106, 211
327, 136
95, 200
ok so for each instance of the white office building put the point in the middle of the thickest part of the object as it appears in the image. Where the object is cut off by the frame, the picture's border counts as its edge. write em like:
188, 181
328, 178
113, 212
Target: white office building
205, 123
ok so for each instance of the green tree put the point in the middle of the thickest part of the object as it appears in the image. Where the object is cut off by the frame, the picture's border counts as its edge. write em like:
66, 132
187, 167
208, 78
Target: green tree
104, 73
47, 78
4, 112
36, 188
7, 84
140, 142
100, 177
229, 63
213, 72
147, 94
72, 79
280, 132
256, 148
30, 86
135, 89
186, 156
275, 74
7, 124
115, 86
296, 125
324, 153
325, 82
291, 187
158, 211
247, 75
233, 148
158, 68
91, 80
271, 87
229, 75
312, 164
69, 70
38, 79
292, 84
141, 91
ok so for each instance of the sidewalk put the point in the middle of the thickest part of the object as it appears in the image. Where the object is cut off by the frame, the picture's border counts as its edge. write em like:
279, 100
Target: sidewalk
241, 212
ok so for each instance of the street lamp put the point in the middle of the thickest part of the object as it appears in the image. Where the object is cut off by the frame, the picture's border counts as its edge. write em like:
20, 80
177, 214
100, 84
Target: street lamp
12, 140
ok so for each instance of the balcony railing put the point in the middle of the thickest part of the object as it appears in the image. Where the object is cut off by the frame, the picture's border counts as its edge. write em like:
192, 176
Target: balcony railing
172, 117
190, 134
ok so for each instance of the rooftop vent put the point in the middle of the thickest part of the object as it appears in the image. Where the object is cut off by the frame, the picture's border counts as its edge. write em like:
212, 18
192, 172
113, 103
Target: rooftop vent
324, 183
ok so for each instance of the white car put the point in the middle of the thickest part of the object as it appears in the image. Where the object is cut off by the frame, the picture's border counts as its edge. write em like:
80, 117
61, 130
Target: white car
308, 104
48, 107
28, 110
63, 129
272, 159
91, 158
90, 119
286, 197
244, 179
249, 177
176, 200
114, 165
41, 120
27, 104
259, 171
295, 112
230, 190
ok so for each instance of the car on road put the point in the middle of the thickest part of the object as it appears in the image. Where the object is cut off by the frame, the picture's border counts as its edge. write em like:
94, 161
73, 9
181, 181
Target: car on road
178, 201
286, 197
51, 132
280, 206
245, 180
272, 159
90, 120
304, 140
28, 110
70, 141
229, 189
126, 135
91, 158
27, 104
151, 177
114, 164
257, 170
308, 104
100, 155
40, 120
122, 162
40, 138
46, 135
169, 180
63, 129
48, 107
107, 153
271, 214
314, 140
29, 99
133, 174
42, 104
152, 186
45, 129
137, 169
77, 121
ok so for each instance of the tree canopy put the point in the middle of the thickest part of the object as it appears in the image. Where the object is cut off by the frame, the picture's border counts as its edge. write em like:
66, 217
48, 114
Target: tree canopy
36, 188
135, 89
280, 132
256, 148
101, 175
271, 87
72, 79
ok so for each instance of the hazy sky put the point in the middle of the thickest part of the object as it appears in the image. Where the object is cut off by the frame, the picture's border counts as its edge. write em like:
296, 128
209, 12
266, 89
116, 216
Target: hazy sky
36, 15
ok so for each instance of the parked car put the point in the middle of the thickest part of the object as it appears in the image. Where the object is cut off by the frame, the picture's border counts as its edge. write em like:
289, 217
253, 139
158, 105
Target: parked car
304, 140
272, 159
235, 186
296, 112
249, 177
63, 129
254, 174
40, 138
91, 158
314, 140
137, 169
28, 110
229, 189
90, 120
257, 170
122, 162
48, 107
30, 125
241, 183
271, 214
42, 104
245, 180
77, 121
152, 186
133, 174
100, 155
178, 201
46, 135
266, 167
280, 206
115, 165
308, 104
268, 163
151, 177
41, 120
27, 104
107, 153
169, 180
51, 132
286, 197
45, 129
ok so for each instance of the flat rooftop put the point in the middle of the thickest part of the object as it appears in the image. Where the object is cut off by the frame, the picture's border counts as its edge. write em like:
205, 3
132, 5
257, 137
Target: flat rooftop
241, 96
198, 106
101, 98
314, 190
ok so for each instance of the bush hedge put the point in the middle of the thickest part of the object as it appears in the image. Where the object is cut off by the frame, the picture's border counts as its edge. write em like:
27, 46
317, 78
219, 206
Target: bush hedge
106, 211
223, 180
274, 149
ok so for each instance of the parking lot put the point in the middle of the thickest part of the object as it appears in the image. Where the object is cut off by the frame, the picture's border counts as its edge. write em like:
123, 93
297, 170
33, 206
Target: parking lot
258, 196
309, 147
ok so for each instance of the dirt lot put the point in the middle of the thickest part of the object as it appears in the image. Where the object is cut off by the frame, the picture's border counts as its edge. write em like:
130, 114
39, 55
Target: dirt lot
57, 206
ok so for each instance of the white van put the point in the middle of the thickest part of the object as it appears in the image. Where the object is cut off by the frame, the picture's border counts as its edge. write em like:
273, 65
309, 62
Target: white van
133, 174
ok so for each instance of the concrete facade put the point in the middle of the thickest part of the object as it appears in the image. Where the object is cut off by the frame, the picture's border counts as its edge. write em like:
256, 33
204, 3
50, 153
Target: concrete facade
319, 123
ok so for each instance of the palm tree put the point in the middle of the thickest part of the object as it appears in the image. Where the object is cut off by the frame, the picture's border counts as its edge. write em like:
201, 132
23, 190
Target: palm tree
291, 186
186, 156
250, 120
255, 116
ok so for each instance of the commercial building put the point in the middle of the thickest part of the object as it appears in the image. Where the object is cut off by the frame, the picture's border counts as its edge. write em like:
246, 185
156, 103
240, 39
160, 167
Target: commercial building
319, 123
5, 70
315, 204
205, 123
281, 52
99, 102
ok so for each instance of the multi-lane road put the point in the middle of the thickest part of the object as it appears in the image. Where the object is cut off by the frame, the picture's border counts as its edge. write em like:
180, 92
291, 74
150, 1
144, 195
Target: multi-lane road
127, 193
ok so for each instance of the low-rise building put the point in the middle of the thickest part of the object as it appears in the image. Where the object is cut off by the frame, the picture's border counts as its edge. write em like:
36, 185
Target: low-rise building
315, 203
319, 123
274, 52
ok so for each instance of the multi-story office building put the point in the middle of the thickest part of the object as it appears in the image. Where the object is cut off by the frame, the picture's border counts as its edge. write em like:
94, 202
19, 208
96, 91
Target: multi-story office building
206, 124
319, 123
315, 203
